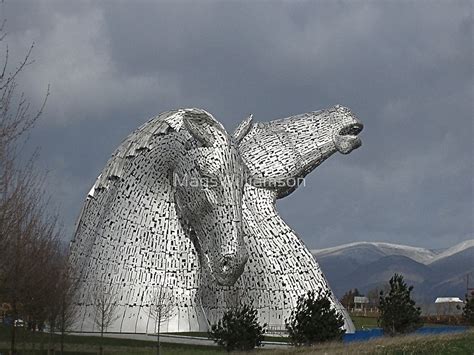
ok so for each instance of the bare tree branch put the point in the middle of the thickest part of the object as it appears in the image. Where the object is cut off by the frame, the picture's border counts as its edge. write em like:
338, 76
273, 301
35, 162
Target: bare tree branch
161, 309
29, 235
104, 305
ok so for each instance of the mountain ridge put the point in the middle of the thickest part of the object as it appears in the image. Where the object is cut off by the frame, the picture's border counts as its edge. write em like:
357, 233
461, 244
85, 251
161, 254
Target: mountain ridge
365, 265
416, 253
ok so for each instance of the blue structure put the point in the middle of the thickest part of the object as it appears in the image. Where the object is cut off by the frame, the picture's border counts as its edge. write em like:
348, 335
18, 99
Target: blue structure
364, 335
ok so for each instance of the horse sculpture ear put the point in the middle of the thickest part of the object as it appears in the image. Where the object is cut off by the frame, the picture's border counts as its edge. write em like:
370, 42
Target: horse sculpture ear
203, 127
242, 129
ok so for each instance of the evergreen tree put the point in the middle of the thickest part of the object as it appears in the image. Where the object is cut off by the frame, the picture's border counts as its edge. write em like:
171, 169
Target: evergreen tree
398, 313
468, 313
315, 320
238, 330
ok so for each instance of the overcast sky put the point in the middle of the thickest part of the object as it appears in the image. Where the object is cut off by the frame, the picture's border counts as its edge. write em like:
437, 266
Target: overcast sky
404, 67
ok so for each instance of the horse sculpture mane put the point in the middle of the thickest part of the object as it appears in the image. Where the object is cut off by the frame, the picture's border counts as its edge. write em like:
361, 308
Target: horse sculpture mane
142, 139
145, 226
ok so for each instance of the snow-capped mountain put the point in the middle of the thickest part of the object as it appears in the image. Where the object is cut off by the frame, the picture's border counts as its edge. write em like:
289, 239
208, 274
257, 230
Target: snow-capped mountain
458, 248
420, 255
367, 265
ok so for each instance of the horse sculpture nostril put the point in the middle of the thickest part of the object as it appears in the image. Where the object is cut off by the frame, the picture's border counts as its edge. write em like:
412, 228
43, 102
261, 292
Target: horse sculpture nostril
225, 266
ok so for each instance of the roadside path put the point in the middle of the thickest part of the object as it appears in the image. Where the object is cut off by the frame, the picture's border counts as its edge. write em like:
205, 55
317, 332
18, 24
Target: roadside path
178, 339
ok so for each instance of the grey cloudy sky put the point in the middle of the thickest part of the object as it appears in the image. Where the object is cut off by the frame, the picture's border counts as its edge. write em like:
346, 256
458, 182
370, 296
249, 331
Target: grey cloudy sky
404, 67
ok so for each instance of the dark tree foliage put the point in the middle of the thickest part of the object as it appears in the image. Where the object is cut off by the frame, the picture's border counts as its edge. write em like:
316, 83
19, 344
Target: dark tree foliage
314, 320
398, 313
468, 312
238, 329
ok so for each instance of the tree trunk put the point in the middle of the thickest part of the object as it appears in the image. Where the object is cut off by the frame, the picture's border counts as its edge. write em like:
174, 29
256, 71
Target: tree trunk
101, 349
158, 335
158, 341
50, 340
33, 339
41, 348
13, 336
12, 344
62, 342
33, 342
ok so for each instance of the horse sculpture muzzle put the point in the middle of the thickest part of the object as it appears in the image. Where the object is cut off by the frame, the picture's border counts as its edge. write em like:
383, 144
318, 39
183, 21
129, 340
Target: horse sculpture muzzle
232, 259
346, 129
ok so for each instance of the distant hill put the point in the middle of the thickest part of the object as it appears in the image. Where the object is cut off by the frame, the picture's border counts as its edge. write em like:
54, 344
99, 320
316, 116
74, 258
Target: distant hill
367, 265
362, 250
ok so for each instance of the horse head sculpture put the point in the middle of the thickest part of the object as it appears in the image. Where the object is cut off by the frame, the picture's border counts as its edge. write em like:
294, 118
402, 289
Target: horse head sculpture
209, 182
280, 153
181, 204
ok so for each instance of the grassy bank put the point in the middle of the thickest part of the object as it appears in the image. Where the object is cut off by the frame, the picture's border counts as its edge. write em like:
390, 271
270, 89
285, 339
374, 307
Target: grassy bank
363, 322
27, 341
449, 344
440, 344
83, 349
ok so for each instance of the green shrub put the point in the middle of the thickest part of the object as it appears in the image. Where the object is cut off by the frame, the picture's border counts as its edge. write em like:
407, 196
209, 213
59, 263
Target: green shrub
238, 330
314, 320
398, 313
468, 312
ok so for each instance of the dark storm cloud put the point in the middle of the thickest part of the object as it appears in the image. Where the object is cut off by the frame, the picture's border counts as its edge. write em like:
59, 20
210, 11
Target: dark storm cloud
405, 67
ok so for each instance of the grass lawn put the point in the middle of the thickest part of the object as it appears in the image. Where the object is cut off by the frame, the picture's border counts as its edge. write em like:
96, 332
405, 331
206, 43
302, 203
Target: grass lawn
448, 344
440, 344
26, 341
362, 323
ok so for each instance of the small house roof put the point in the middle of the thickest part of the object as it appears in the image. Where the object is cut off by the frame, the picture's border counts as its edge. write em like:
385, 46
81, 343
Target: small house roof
361, 299
448, 300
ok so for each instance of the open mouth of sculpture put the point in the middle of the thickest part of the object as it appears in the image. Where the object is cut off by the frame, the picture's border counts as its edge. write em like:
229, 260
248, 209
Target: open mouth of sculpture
347, 138
351, 130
